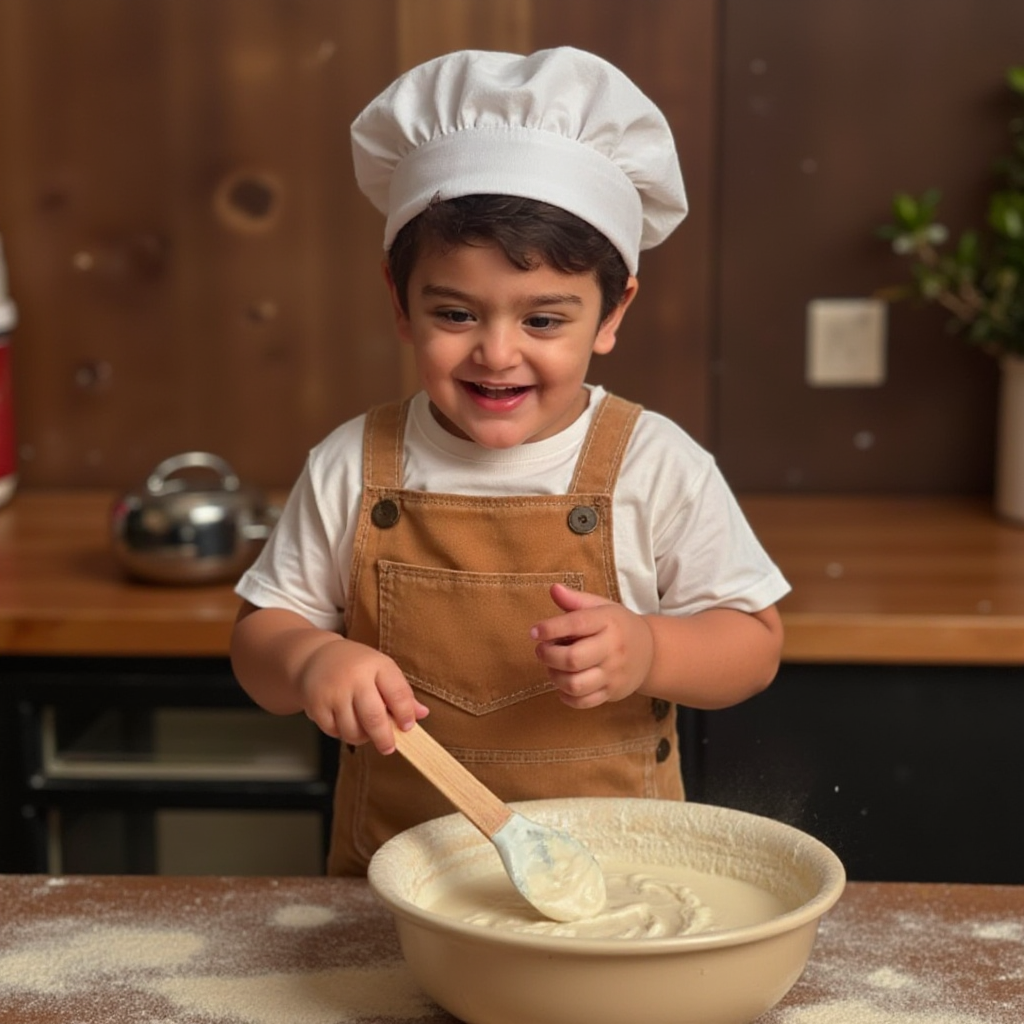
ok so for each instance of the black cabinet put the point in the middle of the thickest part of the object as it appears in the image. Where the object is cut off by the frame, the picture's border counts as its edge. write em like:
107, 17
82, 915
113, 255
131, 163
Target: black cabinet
111, 765
908, 773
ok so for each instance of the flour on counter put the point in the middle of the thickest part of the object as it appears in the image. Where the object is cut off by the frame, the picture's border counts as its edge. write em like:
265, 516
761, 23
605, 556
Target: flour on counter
228, 956
854, 1011
302, 915
886, 977
890, 972
339, 996
1000, 931
65, 955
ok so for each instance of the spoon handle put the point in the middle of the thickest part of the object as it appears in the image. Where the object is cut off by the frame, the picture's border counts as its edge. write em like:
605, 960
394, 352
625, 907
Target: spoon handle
455, 781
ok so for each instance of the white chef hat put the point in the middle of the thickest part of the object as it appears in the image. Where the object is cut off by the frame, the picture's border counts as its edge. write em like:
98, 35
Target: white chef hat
561, 126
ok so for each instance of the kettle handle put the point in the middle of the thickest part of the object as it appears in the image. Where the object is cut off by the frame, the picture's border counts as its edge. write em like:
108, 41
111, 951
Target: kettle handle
156, 482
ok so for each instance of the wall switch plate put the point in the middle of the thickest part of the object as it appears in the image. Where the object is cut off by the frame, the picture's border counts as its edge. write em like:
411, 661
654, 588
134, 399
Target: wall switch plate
846, 341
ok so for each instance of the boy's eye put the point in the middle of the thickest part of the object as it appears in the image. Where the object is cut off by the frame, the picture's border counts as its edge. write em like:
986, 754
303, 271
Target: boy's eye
542, 322
455, 316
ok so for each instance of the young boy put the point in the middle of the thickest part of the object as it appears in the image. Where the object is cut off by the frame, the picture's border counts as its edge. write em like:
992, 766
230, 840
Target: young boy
539, 570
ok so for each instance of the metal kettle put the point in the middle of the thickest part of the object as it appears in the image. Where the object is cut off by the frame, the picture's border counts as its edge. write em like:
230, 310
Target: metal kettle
186, 528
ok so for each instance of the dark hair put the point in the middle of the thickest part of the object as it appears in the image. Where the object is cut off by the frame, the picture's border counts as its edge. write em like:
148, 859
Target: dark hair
530, 233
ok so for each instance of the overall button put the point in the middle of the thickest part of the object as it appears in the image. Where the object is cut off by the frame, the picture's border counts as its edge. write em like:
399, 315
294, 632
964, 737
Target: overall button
664, 749
385, 513
660, 709
583, 519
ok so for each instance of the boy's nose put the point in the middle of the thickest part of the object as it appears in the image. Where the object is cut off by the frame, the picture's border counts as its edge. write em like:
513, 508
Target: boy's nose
497, 348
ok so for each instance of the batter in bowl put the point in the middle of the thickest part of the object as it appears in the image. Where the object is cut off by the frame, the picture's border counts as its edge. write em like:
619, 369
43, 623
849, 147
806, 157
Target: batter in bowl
644, 901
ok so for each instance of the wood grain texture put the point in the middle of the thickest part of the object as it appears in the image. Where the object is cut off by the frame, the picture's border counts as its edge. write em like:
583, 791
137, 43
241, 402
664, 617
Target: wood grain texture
927, 581
194, 265
875, 580
62, 592
828, 109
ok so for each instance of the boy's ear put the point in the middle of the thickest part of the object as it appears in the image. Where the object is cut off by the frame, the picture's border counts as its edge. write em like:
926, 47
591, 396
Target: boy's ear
402, 324
606, 333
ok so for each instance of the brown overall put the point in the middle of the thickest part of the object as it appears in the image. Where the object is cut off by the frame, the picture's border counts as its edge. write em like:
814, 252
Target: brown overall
449, 585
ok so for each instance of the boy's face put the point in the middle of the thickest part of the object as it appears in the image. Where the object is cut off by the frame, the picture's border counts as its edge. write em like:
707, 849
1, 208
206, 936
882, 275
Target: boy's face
503, 352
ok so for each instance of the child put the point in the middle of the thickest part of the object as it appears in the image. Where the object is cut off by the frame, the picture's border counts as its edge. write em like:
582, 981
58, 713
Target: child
541, 568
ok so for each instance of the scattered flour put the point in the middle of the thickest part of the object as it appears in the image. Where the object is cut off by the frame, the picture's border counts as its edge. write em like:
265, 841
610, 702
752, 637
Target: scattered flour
854, 1011
181, 961
302, 915
69, 956
886, 977
339, 996
902, 968
1004, 931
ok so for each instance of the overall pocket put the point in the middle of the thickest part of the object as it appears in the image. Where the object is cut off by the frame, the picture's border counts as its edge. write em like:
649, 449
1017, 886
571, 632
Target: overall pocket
465, 636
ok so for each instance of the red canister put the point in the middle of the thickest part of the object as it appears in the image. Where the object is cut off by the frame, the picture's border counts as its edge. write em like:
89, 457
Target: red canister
8, 458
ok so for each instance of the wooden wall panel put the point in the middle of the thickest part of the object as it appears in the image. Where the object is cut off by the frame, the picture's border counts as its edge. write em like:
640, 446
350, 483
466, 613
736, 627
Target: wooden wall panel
194, 265
827, 110
670, 49
186, 244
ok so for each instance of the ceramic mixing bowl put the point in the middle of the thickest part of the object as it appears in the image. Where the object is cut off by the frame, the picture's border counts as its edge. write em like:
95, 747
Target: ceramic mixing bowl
726, 976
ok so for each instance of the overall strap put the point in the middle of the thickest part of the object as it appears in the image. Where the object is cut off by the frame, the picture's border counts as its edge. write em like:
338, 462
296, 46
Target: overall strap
600, 458
382, 445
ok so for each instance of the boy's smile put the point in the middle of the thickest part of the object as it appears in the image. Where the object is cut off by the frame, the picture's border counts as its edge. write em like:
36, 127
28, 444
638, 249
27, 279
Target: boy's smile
503, 352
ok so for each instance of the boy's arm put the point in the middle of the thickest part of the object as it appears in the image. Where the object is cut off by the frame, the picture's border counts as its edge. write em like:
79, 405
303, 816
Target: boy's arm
713, 659
599, 651
349, 690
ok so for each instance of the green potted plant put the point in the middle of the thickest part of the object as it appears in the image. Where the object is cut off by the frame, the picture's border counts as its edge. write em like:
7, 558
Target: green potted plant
978, 279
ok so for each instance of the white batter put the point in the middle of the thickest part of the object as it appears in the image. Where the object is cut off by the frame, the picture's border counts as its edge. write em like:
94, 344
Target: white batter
644, 901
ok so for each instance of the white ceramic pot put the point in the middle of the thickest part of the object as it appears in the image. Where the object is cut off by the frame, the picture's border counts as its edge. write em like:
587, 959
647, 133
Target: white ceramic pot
1009, 495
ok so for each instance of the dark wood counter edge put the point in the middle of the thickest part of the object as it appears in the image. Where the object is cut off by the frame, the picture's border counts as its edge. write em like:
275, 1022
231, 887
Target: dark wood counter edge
846, 638
826, 638
121, 636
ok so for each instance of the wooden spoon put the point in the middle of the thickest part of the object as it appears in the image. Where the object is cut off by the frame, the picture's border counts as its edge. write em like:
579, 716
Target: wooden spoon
552, 871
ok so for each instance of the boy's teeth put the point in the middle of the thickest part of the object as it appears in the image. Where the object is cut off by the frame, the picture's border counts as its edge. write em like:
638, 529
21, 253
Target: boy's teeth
497, 392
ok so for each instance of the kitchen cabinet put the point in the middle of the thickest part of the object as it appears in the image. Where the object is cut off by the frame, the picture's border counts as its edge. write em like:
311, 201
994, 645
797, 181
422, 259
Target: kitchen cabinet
892, 732
910, 773
155, 765
125, 743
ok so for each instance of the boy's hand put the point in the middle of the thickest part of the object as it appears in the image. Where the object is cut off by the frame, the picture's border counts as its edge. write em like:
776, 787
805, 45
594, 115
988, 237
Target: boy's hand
597, 651
358, 694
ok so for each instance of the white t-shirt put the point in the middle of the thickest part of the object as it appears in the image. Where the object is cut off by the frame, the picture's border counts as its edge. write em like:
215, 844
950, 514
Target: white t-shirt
682, 545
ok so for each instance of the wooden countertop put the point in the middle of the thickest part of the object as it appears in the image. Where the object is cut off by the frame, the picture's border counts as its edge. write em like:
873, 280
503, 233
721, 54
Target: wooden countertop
896, 580
61, 592
86, 950
885, 580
